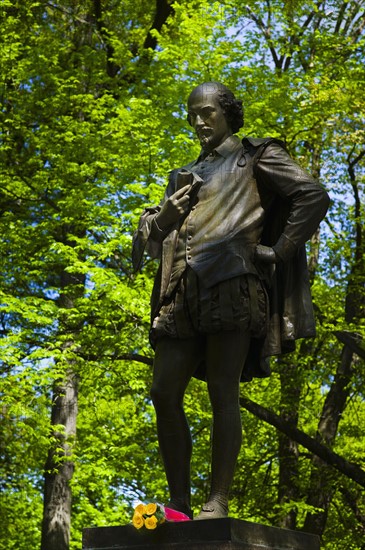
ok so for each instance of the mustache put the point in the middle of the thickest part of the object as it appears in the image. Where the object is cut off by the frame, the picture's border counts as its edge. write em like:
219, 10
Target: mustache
204, 130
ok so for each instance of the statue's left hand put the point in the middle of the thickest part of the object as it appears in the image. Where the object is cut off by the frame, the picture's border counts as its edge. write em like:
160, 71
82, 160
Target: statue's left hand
265, 254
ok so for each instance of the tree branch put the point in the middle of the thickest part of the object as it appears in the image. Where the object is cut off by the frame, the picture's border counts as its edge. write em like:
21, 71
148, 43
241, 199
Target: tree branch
163, 10
267, 35
340, 17
352, 340
347, 468
111, 67
122, 357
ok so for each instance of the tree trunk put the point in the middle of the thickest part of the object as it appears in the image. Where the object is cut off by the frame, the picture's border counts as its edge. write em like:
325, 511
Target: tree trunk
288, 448
322, 485
60, 467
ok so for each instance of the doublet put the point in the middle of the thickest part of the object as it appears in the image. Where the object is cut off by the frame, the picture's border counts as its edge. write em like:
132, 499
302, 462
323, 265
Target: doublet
248, 192
218, 236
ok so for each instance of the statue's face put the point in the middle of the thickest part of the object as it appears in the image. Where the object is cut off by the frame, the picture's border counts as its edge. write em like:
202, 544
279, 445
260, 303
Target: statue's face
207, 117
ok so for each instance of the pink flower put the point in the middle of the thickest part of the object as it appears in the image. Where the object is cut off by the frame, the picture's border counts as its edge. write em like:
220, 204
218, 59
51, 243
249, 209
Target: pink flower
174, 515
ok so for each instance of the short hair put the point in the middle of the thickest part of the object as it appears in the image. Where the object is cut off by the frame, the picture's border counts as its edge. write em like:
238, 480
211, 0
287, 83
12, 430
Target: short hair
232, 107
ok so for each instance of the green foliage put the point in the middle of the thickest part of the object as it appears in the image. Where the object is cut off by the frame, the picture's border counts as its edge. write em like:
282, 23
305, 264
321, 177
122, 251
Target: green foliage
90, 125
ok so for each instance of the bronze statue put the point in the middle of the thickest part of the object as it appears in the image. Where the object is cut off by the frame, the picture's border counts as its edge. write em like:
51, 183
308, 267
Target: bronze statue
232, 286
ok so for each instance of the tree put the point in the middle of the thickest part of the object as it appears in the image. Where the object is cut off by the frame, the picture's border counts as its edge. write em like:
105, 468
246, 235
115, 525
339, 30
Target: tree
92, 120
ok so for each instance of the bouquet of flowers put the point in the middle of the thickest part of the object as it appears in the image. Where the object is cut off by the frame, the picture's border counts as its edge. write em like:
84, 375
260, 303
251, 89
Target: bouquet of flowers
153, 514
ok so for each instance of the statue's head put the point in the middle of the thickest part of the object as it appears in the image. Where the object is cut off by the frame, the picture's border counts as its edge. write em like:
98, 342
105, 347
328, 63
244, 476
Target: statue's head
214, 113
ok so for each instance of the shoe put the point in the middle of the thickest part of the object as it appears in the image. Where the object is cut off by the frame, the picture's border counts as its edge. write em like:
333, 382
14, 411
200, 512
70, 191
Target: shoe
213, 510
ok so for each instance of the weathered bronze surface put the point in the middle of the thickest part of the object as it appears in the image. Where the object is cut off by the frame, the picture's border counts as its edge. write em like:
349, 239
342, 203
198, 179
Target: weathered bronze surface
232, 288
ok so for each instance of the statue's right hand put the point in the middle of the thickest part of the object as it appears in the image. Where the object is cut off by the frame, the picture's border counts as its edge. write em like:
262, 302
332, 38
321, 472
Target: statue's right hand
176, 206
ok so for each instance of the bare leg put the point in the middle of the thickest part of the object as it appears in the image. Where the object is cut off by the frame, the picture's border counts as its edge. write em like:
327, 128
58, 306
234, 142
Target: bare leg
226, 353
175, 362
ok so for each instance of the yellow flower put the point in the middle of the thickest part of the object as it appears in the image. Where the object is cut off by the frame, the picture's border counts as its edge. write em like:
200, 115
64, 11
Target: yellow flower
151, 509
151, 522
137, 520
140, 509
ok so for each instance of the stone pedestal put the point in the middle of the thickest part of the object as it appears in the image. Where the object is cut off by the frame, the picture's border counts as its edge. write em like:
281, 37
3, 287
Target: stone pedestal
217, 534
